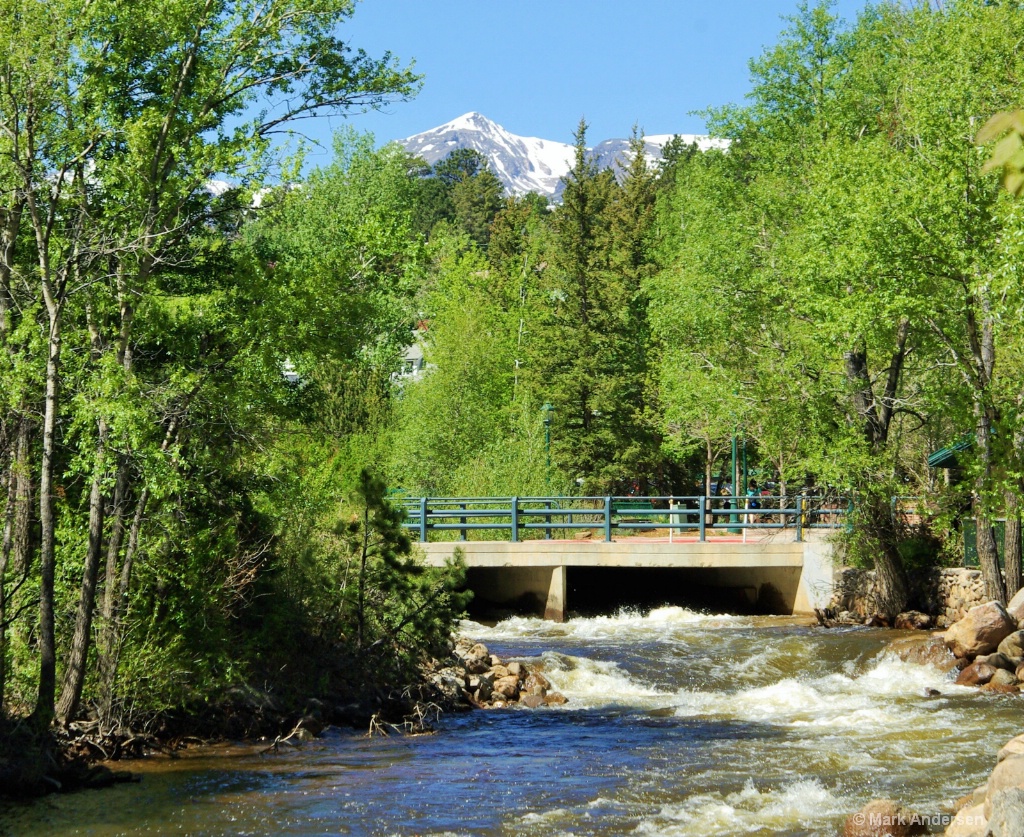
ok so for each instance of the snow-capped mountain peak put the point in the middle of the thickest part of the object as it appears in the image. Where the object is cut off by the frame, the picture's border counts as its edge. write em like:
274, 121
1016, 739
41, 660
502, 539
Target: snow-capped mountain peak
523, 164
527, 164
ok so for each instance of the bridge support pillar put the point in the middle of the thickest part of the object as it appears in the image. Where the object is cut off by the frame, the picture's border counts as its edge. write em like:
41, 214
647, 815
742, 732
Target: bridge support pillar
554, 608
539, 589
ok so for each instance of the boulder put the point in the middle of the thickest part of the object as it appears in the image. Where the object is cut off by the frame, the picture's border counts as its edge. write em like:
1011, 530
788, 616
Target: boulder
968, 822
495, 660
1000, 660
507, 688
1015, 607
517, 670
976, 674
884, 817
478, 651
1008, 775
534, 680
451, 682
980, 631
1002, 677
477, 659
532, 701
1000, 688
474, 665
913, 620
498, 672
923, 650
555, 699
1013, 645
1007, 818
1013, 747
484, 690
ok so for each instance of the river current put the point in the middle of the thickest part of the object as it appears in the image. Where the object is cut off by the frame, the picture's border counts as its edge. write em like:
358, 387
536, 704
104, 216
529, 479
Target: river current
678, 723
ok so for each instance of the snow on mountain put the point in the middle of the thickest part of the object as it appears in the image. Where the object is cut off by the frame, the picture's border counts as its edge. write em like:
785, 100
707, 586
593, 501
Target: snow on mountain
614, 153
523, 164
529, 164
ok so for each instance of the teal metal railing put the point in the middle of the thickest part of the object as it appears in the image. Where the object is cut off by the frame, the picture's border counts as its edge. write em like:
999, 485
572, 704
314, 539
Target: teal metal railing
524, 518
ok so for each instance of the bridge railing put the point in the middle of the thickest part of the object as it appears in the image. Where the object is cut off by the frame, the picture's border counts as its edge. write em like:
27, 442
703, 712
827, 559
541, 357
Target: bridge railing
523, 518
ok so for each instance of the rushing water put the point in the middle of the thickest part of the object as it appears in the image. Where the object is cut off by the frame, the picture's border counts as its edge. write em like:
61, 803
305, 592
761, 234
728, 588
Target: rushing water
677, 724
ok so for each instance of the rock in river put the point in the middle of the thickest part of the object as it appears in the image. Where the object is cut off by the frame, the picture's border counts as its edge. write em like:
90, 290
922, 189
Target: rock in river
980, 631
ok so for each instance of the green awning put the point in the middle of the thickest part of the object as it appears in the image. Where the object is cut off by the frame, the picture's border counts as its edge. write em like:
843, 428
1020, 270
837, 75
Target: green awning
946, 457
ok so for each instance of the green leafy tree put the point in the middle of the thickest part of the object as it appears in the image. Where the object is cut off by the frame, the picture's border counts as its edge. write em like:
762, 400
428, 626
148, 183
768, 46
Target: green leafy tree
109, 142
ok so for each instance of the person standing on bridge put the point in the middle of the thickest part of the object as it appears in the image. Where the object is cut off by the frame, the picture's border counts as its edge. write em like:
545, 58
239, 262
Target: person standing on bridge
753, 499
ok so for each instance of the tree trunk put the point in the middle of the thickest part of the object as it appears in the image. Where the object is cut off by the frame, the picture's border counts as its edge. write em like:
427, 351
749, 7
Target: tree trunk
22, 545
893, 587
1012, 544
108, 632
988, 555
74, 671
43, 712
988, 558
5, 554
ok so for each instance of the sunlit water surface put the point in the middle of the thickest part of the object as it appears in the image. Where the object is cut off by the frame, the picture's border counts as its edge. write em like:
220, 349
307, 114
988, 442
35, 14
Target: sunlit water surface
677, 724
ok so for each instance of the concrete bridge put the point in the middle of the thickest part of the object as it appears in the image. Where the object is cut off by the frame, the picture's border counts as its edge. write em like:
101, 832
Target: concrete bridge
742, 554
548, 576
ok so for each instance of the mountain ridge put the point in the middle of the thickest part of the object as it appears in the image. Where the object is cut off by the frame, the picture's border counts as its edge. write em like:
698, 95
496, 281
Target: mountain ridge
529, 164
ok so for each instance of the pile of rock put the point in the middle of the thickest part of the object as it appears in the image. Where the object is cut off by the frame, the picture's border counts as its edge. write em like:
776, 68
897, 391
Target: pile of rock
484, 680
490, 682
989, 646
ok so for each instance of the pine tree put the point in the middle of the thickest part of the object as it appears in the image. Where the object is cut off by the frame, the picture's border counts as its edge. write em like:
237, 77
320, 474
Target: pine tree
574, 357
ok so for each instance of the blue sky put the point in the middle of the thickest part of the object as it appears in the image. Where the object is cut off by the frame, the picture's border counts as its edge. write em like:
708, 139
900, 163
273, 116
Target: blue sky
536, 66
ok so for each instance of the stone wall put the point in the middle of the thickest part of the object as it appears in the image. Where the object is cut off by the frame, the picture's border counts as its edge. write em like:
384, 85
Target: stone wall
946, 594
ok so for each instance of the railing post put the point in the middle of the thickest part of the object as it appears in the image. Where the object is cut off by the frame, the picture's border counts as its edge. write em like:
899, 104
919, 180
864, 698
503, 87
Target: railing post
515, 519
462, 520
800, 518
423, 519
702, 524
547, 519
608, 519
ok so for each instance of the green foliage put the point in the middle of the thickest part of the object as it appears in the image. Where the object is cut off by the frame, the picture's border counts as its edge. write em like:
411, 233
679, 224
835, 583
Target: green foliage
460, 189
840, 288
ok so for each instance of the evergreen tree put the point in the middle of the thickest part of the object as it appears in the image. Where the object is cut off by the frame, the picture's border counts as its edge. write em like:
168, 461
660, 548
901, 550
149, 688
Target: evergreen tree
574, 357
460, 189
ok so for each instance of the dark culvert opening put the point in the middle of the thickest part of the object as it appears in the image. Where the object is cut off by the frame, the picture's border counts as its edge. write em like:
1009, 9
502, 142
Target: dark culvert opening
595, 591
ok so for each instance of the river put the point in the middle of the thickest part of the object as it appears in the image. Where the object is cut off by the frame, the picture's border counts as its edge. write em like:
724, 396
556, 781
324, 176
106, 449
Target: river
677, 724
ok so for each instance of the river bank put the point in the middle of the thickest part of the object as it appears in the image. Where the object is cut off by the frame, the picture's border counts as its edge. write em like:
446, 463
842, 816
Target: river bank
84, 755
